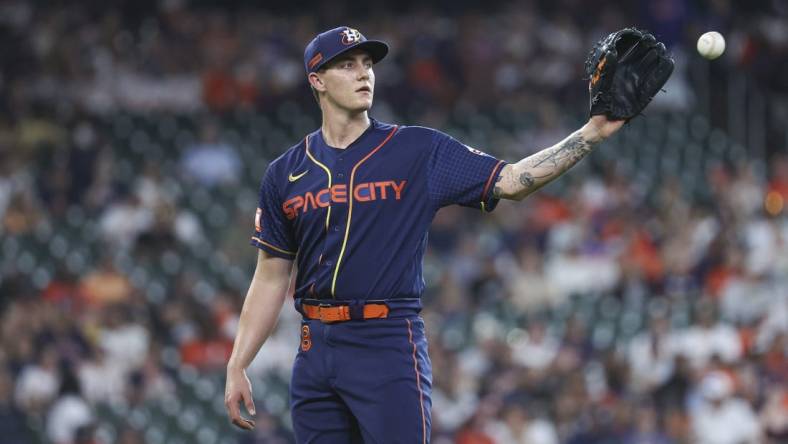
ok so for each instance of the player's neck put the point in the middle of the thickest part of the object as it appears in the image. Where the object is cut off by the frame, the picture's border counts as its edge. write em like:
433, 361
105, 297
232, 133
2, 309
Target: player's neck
342, 129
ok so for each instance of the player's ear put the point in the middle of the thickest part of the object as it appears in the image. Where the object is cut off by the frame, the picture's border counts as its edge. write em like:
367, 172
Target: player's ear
316, 82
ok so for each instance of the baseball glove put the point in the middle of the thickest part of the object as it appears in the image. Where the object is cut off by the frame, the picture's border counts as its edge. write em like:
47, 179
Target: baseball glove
625, 70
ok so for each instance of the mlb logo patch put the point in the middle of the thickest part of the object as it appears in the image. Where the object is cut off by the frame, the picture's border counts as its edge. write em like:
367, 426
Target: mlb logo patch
257, 225
350, 36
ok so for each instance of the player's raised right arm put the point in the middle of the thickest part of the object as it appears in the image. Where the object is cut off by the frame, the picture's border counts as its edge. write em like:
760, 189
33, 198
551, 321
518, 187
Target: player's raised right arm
260, 311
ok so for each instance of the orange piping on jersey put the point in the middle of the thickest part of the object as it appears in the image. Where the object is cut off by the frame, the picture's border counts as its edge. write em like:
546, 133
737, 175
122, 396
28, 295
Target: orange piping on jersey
418, 385
328, 173
350, 207
272, 246
489, 181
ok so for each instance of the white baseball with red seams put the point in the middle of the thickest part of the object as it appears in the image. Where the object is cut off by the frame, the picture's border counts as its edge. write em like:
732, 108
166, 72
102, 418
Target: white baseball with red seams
711, 45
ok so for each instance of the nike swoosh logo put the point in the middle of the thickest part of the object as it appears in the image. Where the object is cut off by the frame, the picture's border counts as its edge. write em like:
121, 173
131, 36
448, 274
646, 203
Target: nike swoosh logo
292, 178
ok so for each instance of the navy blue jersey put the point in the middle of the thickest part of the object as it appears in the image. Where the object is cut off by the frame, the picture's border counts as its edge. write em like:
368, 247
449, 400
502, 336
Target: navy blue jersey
356, 219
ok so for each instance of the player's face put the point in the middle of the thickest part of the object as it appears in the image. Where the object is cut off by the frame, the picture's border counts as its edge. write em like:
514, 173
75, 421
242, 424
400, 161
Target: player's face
349, 81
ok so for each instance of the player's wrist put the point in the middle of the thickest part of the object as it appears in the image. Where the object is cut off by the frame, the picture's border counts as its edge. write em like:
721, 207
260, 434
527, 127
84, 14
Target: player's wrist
592, 132
235, 367
599, 128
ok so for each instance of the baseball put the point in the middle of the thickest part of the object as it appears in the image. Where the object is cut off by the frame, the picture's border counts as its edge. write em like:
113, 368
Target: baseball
711, 45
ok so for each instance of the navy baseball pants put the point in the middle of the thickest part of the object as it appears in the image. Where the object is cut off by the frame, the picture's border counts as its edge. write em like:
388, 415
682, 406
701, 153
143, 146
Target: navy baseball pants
362, 381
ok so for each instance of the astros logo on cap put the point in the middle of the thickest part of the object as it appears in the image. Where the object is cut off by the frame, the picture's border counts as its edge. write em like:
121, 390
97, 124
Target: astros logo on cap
350, 36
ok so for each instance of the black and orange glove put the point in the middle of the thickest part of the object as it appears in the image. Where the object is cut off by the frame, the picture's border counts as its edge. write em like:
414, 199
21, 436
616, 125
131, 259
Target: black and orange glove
626, 70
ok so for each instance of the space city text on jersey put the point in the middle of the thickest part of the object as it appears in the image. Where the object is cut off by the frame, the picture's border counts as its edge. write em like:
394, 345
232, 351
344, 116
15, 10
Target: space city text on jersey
363, 192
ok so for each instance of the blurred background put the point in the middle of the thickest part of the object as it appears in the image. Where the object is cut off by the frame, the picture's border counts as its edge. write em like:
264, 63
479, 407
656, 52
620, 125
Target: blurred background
642, 298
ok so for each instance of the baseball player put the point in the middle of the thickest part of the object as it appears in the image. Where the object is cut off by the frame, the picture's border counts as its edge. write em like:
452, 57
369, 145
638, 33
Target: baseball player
351, 205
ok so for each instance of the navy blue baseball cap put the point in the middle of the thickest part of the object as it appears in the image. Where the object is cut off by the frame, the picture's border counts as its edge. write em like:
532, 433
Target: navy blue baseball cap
334, 42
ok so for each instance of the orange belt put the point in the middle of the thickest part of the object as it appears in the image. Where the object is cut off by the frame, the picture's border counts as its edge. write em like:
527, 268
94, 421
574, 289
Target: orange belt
340, 313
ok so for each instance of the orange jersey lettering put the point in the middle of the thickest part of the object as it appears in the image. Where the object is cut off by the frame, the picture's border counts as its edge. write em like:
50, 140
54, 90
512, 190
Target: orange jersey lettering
363, 192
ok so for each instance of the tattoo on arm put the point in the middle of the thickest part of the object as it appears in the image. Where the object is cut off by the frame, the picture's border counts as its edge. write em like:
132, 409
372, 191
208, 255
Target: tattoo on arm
526, 179
566, 153
523, 178
497, 190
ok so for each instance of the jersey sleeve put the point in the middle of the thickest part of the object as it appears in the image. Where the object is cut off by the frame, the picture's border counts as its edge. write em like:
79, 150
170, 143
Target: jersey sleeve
272, 231
459, 174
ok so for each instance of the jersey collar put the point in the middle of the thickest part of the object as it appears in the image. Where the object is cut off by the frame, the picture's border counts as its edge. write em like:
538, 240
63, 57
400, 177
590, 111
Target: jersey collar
373, 124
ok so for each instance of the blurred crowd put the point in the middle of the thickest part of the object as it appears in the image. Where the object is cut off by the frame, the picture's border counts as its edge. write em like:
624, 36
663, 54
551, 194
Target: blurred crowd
593, 312
710, 284
511, 56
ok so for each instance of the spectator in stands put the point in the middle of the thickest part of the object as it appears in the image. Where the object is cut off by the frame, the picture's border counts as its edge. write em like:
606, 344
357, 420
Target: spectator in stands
210, 350
39, 382
775, 356
157, 384
454, 398
709, 337
476, 429
537, 349
518, 427
21, 215
13, 427
774, 415
70, 415
651, 355
721, 418
211, 162
123, 339
100, 380
123, 220
529, 287
105, 285
646, 428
